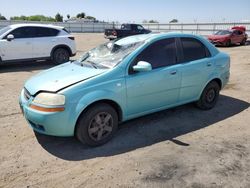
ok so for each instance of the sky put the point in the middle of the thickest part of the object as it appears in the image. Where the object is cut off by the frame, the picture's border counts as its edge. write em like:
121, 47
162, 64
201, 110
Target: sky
134, 10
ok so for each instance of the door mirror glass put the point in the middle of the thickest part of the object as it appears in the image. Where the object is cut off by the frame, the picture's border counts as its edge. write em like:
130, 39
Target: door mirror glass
142, 66
10, 37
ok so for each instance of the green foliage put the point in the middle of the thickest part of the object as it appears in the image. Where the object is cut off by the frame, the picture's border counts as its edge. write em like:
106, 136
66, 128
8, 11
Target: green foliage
81, 15
153, 21
59, 17
2, 17
90, 18
174, 21
33, 18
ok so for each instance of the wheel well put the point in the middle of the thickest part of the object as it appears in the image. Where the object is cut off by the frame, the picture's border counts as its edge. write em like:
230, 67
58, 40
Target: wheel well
61, 46
106, 101
109, 102
218, 81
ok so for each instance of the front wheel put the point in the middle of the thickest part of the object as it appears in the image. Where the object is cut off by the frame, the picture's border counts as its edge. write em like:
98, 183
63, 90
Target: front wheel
60, 55
243, 42
228, 43
97, 125
209, 96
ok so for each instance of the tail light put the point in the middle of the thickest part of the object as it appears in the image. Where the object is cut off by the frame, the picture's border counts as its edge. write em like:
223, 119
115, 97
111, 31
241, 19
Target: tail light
114, 33
72, 38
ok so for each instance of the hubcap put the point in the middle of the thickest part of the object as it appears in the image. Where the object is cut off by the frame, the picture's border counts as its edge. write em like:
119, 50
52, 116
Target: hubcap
210, 96
100, 126
61, 56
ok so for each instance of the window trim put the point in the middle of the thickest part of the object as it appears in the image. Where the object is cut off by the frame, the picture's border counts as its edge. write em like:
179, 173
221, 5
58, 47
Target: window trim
5, 37
35, 28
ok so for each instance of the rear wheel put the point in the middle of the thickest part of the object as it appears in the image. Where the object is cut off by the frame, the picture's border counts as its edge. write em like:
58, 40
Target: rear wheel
209, 96
60, 55
97, 125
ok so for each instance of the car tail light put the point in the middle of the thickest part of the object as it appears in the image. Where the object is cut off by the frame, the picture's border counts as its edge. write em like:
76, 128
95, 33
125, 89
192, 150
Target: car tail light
72, 38
114, 33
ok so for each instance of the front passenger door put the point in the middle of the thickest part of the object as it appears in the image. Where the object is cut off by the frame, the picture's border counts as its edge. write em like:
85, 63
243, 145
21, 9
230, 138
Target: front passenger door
21, 47
158, 88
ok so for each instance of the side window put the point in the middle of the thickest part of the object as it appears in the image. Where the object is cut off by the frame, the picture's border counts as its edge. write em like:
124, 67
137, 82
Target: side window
139, 27
159, 54
22, 32
46, 32
193, 49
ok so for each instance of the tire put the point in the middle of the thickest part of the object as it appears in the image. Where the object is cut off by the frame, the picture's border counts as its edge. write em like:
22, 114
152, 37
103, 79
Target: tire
60, 55
228, 43
243, 42
97, 125
209, 96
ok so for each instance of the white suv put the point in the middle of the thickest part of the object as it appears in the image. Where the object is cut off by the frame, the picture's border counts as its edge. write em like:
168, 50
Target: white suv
22, 42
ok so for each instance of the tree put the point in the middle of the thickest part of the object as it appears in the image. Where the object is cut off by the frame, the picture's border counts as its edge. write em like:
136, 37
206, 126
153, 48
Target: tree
33, 18
153, 21
68, 16
81, 15
90, 18
2, 17
58, 17
174, 21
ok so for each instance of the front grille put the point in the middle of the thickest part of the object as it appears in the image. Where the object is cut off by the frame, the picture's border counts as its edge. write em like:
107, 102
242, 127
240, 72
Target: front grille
27, 94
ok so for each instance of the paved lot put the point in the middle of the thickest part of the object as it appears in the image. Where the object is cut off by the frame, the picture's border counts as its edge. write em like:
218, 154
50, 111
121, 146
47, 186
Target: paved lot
180, 147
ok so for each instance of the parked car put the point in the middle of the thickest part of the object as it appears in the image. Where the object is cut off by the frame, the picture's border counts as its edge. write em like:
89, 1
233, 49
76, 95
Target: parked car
235, 35
126, 30
22, 42
122, 80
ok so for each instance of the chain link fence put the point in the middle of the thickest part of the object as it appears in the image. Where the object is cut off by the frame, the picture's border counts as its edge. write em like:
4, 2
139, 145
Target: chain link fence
99, 27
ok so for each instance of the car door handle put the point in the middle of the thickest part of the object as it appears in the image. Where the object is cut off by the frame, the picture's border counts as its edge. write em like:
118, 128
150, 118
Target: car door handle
209, 64
173, 72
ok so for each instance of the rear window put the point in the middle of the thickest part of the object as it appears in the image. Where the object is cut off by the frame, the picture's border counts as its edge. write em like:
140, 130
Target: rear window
193, 49
126, 26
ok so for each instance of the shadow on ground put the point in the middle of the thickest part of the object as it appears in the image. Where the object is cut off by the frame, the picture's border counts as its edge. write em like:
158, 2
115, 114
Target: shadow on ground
147, 130
25, 66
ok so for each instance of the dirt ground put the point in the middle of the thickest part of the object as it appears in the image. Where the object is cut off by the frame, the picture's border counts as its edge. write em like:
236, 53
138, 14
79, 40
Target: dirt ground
180, 147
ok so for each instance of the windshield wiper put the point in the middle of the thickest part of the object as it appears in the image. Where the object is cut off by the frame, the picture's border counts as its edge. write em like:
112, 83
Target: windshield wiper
92, 63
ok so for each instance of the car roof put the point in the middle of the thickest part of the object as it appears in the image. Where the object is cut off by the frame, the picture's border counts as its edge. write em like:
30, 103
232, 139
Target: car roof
36, 25
153, 36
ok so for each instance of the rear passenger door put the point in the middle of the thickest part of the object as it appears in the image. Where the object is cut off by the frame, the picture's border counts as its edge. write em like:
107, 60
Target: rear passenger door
196, 67
44, 41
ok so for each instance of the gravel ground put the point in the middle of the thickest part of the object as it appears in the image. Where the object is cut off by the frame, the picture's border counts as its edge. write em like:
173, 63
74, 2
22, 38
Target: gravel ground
180, 147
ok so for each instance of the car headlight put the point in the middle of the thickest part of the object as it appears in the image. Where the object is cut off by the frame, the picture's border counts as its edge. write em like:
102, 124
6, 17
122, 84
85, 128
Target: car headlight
50, 99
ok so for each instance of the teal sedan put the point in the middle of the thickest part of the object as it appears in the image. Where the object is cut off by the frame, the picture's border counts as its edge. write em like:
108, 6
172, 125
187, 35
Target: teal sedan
122, 80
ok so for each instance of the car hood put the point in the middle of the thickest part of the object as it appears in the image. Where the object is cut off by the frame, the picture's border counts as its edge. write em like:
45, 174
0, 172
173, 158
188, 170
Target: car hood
60, 77
216, 37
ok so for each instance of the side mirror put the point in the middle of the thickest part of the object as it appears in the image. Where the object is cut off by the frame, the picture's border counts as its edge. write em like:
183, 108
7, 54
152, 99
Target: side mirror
142, 66
10, 37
